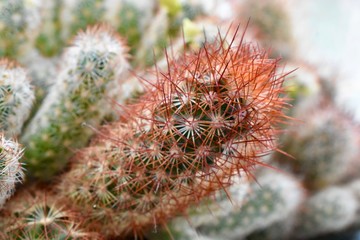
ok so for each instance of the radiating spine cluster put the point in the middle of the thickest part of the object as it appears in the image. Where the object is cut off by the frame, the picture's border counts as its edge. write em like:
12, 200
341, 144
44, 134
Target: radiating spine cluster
95, 63
211, 115
11, 170
34, 214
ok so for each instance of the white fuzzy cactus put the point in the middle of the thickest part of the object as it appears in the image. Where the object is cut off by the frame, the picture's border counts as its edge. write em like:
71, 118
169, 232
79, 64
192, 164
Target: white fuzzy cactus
16, 98
94, 64
11, 171
329, 210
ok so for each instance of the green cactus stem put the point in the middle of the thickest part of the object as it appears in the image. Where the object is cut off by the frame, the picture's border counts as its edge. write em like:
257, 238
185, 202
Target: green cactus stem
91, 67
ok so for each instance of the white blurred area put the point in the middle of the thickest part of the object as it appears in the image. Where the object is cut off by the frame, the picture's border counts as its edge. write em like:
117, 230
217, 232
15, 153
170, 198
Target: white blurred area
327, 35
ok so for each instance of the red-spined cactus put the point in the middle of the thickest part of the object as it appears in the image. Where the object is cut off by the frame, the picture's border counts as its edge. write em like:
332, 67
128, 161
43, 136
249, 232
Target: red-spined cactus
211, 115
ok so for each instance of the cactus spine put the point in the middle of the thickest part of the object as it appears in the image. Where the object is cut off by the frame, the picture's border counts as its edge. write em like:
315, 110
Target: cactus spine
16, 98
91, 67
11, 171
210, 116
35, 214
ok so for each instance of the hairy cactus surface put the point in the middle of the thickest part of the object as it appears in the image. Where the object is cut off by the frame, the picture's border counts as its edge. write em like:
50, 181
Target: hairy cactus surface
211, 115
91, 67
11, 171
16, 98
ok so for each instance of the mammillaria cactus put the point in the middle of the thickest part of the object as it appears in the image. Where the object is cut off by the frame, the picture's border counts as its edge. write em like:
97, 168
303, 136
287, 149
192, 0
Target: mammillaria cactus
273, 197
11, 171
331, 209
325, 147
35, 214
91, 67
16, 98
210, 116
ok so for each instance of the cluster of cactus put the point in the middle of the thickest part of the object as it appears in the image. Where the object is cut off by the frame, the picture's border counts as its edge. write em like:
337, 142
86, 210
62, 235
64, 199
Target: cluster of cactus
209, 110
154, 119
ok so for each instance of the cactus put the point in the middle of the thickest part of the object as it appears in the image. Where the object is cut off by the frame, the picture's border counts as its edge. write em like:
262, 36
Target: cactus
154, 41
77, 15
325, 147
329, 210
16, 98
50, 41
222, 204
91, 67
43, 72
211, 115
11, 171
132, 18
270, 24
19, 21
35, 214
272, 198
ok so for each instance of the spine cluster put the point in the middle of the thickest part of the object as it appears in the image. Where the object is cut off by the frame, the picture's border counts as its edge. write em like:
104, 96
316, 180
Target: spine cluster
11, 170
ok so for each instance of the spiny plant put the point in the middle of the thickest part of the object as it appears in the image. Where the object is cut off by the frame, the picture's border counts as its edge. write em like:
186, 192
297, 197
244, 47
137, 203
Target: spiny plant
270, 24
212, 114
325, 146
11, 171
19, 21
272, 198
35, 214
95, 63
329, 210
16, 98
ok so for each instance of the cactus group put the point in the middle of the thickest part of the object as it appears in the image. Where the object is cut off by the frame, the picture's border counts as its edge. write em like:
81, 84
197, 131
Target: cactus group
155, 119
